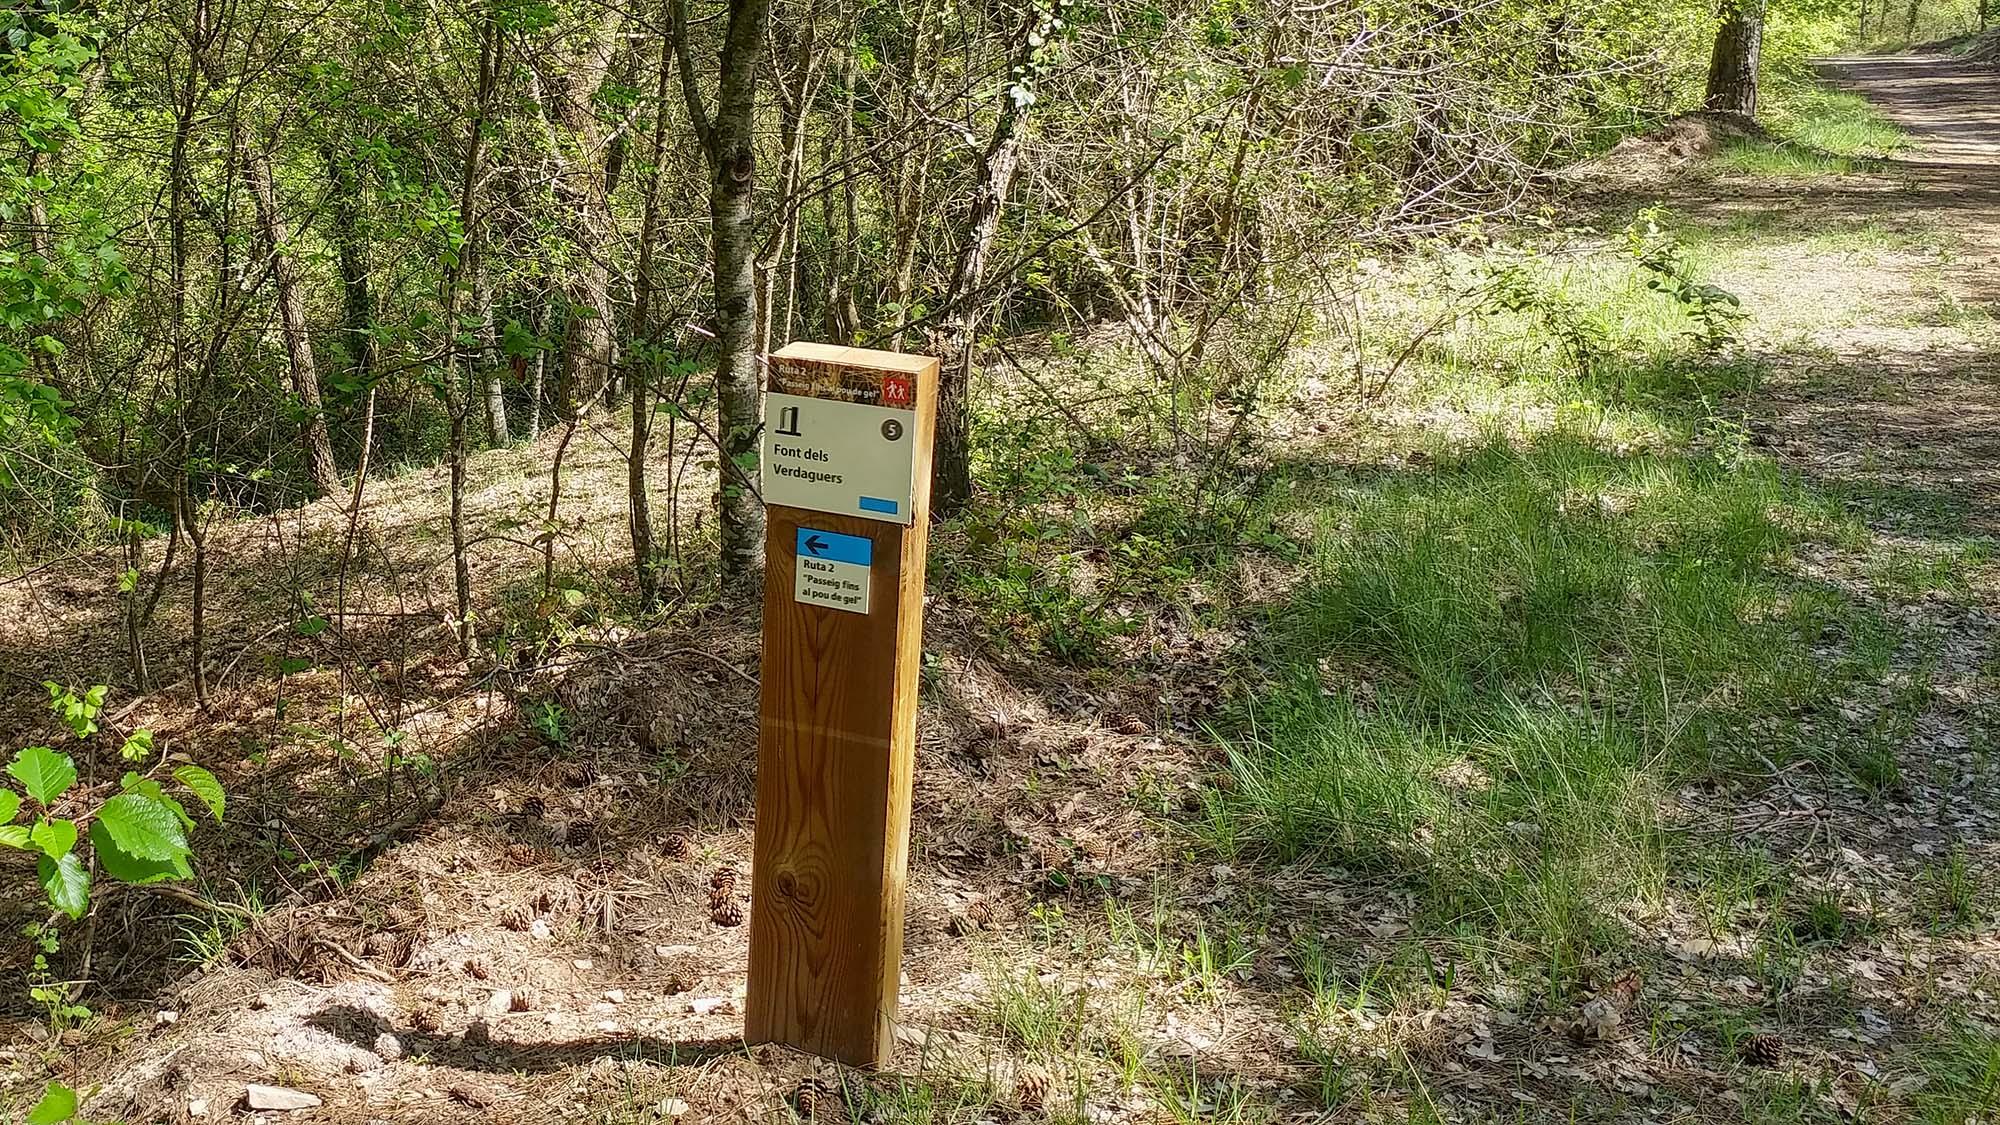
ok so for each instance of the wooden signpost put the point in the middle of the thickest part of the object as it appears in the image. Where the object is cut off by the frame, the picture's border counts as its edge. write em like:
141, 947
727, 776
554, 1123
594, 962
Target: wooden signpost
846, 477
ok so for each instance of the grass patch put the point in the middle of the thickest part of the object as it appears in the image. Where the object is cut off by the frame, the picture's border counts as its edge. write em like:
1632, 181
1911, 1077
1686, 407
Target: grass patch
1812, 116
1497, 666
1816, 131
1784, 158
1964, 1080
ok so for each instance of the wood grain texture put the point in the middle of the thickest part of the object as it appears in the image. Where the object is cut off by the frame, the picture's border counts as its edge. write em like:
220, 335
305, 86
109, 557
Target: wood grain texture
835, 758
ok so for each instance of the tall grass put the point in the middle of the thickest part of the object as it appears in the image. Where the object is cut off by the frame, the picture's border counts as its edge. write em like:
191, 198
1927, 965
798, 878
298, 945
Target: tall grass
1497, 666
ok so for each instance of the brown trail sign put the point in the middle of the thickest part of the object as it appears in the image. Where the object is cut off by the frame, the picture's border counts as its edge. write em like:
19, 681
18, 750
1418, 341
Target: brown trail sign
846, 475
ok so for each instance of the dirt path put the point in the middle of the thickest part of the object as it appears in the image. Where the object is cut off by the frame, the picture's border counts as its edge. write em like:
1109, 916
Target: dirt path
1923, 408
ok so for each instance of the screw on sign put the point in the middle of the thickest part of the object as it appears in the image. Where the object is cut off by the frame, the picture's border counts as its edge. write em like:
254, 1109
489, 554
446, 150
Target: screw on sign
846, 474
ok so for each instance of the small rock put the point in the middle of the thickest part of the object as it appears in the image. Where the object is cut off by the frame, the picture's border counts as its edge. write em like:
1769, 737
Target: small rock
198, 1108
164, 1017
539, 930
711, 1005
388, 1046
583, 962
615, 995
278, 1098
500, 1003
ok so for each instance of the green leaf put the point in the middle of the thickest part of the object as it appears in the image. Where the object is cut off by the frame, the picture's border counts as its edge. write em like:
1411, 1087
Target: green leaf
14, 836
142, 827
147, 787
10, 806
45, 774
66, 883
203, 785
128, 868
56, 838
138, 746
58, 1105
312, 626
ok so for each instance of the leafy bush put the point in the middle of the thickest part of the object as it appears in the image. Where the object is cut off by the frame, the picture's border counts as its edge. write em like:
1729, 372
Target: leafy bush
138, 835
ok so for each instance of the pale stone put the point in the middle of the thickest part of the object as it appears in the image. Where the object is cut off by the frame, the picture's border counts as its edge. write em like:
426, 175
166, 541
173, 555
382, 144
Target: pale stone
278, 1098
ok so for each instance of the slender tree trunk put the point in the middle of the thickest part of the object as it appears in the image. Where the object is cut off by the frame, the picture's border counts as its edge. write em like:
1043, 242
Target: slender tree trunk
357, 306
451, 285
538, 381
730, 143
135, 640
951, 471
292, 313
581, 192
638, 498
1732, 65
493, 391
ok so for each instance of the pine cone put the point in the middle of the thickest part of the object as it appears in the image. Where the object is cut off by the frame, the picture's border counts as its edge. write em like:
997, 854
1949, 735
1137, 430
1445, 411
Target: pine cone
1125, 722
427, 1021
724, 879
526, 855
1761, 1049
729, 913
977, 916
478, 969
816, 1099
1032, 1086
534, 807
516, 918
676, 846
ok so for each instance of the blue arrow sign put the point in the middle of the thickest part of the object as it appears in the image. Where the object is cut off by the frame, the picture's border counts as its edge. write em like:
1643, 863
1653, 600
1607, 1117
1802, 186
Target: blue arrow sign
835, 547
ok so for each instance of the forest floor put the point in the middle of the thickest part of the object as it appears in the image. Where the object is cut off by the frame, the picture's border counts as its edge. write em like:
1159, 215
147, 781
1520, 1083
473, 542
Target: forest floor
1594, 723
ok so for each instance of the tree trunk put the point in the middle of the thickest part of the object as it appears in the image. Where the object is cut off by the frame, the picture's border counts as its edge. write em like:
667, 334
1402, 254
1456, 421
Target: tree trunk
292, 312
640, 361
451, 284
580, 190
1732, 66
731, 147
494, 393
357, 306
951, 471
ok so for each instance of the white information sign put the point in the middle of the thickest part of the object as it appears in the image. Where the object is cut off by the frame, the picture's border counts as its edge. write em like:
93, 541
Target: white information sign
833, 570
843, 457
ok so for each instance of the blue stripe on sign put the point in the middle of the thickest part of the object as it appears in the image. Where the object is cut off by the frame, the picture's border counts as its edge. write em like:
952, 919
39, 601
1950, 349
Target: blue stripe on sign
835, 547
871, 504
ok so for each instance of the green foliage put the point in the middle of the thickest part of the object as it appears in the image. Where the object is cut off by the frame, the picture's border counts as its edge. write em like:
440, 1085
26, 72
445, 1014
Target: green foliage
58, 1104
137, 836
78, 712
1717, 313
